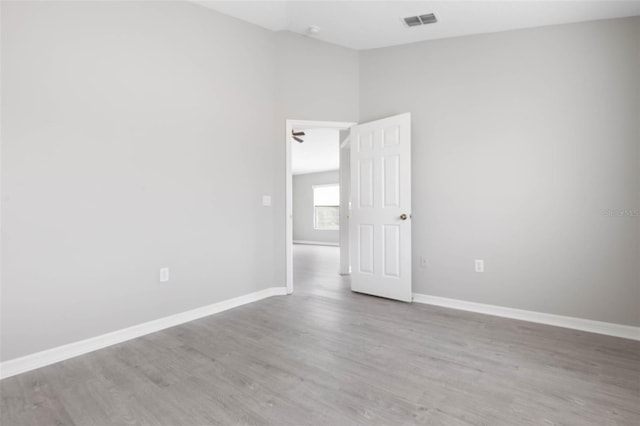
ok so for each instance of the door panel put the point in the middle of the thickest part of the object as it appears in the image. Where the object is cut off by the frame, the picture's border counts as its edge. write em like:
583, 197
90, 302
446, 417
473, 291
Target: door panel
391, 181
365, 183
366, 249
381, 182
391, 250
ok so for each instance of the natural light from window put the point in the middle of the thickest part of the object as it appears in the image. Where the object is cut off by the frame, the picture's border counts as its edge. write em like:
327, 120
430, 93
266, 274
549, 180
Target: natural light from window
326, 207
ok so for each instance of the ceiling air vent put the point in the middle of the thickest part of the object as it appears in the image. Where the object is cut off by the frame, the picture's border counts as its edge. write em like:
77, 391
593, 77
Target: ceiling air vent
415, 21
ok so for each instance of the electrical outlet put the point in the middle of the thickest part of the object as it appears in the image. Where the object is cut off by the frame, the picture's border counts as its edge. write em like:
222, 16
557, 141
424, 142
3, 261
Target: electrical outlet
423, 261
266, 200
479, 265
164, 275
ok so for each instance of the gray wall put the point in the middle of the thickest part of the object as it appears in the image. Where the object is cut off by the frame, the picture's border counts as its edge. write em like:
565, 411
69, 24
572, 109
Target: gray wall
303, 207
138, 135
134, 137
522, 141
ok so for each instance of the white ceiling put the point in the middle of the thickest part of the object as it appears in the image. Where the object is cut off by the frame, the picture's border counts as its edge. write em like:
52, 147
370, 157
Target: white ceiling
362, 24
320, 151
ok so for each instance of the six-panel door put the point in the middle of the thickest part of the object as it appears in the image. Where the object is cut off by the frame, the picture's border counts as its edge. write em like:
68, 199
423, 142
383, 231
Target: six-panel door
380, 217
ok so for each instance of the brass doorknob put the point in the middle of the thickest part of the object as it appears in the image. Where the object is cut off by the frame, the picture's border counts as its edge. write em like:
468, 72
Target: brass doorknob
403, 216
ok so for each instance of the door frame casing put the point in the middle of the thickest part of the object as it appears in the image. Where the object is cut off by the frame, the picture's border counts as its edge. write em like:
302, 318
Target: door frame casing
290, 125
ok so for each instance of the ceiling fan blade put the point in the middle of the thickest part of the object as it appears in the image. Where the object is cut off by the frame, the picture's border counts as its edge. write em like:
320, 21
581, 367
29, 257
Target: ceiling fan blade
297, 139
297, 133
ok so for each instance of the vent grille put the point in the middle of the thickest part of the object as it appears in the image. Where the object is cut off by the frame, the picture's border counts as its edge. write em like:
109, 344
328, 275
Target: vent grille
415, 21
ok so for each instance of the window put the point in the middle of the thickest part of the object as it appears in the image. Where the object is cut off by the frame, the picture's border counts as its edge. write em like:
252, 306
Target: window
326, 207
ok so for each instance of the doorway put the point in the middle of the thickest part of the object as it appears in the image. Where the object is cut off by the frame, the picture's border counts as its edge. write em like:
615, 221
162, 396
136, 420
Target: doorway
321, 189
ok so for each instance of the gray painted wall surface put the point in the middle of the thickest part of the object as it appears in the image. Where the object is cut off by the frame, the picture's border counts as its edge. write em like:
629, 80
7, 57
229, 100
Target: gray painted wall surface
522, 141
126, 133
125, 140
303, 207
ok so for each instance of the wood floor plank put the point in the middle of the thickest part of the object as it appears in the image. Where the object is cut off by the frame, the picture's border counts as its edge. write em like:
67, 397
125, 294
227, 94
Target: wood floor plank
327, 356
30, 400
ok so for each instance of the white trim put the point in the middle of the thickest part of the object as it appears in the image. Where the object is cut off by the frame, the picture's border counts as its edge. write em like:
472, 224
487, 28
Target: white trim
346, 142
316, 243
50, 356
289, 125
312, 124
345, 207
324, 185
610, 329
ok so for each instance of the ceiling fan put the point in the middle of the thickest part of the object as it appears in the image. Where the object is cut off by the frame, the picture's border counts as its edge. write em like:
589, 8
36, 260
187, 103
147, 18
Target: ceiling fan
295, 135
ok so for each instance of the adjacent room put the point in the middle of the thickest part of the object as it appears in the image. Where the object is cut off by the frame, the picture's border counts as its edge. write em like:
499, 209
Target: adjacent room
315, 176
319, 212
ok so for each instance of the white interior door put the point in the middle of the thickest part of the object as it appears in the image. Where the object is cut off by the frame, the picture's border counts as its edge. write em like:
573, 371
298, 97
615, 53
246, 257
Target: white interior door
380, 217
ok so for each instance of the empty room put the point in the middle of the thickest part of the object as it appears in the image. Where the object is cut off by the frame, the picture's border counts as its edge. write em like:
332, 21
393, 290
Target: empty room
319, 212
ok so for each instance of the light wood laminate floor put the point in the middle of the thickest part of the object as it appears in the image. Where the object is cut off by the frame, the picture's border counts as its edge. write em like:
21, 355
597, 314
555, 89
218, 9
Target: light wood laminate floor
326, 356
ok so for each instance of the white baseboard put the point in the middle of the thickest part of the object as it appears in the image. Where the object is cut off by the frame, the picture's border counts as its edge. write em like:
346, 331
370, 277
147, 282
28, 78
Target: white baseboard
610, 329
50, 356
316, 243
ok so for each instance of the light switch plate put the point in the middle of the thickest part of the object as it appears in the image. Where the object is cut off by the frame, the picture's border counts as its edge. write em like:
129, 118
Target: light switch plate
164, 275
266, 200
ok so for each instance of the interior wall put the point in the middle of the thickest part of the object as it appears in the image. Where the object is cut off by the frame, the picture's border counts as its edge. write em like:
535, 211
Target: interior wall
303, 229
124, 125
315, 81
134, 137
525, 154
